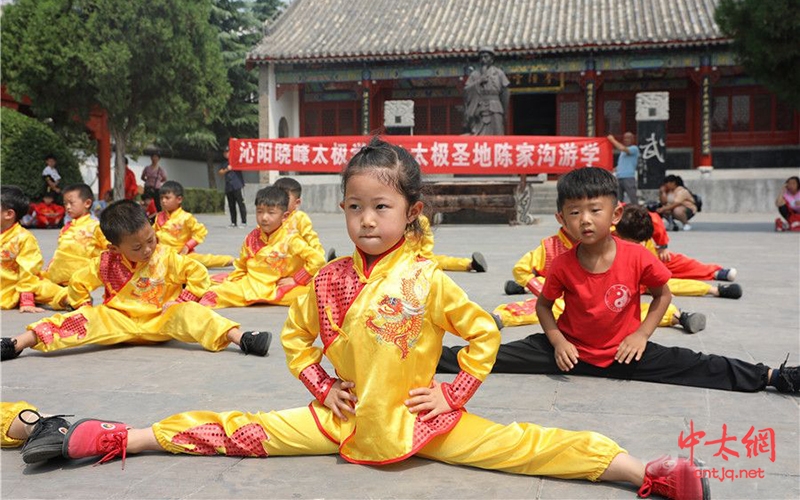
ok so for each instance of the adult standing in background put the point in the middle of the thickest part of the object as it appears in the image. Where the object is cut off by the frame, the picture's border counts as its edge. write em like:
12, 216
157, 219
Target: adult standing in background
234, 183
52, 178
626, 166
486, 96
131, 188
154, 176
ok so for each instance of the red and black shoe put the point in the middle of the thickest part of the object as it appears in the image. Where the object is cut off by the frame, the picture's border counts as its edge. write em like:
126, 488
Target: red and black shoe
91, 438
676, 478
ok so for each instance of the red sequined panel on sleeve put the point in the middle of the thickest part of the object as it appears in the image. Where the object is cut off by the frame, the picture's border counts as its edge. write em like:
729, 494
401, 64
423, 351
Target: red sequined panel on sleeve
317, 381
461, 390
113, 273
187, 296
337, 286
208, 439
254, 242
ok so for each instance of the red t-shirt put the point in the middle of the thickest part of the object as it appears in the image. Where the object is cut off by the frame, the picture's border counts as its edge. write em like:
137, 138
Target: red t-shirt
602, 309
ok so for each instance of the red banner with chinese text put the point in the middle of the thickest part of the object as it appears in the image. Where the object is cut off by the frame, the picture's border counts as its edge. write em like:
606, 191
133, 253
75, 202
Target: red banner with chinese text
436, 154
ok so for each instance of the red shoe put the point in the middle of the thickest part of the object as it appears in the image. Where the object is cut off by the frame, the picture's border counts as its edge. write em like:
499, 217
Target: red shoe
780, 226
90, 438
678, 479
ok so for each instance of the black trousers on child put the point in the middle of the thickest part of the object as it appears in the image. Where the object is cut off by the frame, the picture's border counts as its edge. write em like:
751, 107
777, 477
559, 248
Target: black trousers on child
665, 365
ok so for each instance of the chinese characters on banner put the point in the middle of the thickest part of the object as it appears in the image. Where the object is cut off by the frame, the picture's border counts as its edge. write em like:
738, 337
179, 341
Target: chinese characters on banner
500, 155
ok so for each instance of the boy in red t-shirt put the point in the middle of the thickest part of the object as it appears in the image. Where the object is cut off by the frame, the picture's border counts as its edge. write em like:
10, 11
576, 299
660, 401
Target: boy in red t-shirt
599, 333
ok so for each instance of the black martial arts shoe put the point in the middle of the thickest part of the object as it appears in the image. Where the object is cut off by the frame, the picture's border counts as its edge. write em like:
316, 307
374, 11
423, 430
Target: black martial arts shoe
692, 322
256, 342
514, 288
478, 263
732, 291
46, 439
8, 349
788, 378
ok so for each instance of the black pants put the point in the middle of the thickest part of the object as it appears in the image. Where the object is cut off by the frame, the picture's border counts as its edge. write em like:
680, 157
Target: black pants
149, 190
234, 199
784, 210
665, 365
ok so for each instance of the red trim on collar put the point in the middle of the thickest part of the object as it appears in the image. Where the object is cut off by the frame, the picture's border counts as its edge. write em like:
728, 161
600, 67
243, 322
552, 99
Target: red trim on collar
368, 270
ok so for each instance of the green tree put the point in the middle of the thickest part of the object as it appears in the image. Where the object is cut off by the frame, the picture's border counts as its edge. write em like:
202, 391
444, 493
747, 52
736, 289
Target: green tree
239, 28
149, 64
766, 39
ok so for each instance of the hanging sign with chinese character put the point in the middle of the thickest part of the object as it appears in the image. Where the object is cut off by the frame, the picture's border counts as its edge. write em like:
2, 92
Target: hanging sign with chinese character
436, 154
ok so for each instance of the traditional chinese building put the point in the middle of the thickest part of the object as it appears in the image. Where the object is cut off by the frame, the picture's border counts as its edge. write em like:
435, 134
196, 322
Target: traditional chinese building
326, 67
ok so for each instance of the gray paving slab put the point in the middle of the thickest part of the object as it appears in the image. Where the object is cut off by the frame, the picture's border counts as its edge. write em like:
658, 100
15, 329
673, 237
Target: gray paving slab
139, 385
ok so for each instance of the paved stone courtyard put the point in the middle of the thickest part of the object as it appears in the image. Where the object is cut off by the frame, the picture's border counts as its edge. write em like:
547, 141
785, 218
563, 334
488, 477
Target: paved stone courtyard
139, 385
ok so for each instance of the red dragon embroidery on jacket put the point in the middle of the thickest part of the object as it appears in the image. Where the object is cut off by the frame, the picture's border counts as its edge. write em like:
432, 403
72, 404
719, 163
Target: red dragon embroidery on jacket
399, 320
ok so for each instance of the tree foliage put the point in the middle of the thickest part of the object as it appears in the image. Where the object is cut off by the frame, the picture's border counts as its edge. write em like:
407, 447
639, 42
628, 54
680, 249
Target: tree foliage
149, 64
239, 28
26, 142
766, 39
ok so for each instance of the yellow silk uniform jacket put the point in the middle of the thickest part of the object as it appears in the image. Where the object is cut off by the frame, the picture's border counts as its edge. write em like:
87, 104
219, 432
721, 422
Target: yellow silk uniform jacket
424, 246
79, 242
181, 229
20, 264
381, 328
265, 259
299, 222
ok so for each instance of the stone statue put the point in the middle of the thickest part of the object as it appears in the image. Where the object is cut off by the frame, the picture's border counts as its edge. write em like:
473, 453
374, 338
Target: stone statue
486, 97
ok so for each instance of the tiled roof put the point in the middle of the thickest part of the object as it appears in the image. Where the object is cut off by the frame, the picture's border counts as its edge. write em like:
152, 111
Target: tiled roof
362, 30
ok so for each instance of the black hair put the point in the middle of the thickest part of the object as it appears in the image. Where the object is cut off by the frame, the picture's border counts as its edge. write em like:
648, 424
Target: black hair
272, 196
677, 179
635, 224
794, 178
392, 165
84, 191
289, 185
13, 198
171, 187
583, 183
50, 156
122, 218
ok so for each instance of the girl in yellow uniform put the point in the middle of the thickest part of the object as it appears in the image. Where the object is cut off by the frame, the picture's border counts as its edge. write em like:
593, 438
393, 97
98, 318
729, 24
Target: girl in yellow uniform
380, 316
180, 230
80, 240
21, 260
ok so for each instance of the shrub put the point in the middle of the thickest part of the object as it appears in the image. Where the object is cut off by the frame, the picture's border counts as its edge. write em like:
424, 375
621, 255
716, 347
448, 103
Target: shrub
26, 141
199, 200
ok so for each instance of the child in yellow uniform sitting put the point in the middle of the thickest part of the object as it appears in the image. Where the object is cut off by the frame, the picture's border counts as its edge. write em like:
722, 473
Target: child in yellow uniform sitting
21, 260
298, 221
151, 295
180, 230
274, 265
80, 240
380, 317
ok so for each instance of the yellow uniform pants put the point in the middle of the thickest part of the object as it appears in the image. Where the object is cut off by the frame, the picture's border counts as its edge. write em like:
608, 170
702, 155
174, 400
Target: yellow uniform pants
524, 313
187, 322
519, 448
233, 293
447, 263
8, 412
688, 288
211, 260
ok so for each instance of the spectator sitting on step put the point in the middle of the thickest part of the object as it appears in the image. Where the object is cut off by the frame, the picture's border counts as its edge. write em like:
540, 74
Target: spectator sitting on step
677, 203
788, 203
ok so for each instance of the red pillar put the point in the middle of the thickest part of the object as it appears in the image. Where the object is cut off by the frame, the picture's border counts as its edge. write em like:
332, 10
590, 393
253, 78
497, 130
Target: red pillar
98, 127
